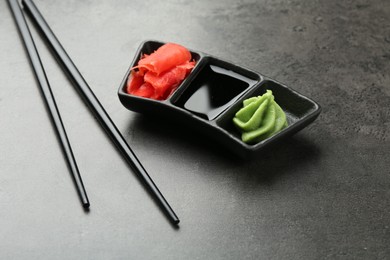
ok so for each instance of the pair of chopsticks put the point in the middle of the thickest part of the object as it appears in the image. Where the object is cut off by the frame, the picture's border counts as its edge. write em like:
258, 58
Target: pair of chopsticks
88, 96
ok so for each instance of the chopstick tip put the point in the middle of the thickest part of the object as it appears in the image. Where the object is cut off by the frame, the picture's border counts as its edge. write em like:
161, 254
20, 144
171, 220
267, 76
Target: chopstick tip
86, 205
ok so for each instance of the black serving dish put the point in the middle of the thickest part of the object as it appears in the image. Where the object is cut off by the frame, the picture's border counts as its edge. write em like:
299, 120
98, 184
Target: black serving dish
207, 100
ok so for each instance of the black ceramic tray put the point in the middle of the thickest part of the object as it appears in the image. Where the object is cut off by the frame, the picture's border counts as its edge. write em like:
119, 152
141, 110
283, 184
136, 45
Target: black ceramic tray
207, 100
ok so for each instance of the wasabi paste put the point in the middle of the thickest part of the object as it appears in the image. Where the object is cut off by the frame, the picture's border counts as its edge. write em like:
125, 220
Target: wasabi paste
260, 118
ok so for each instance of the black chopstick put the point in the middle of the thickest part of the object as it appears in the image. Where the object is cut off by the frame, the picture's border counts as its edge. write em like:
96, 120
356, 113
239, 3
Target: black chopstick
96, 107
49, 98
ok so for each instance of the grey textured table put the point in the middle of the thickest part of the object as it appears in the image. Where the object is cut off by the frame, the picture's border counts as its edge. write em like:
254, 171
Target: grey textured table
322, 194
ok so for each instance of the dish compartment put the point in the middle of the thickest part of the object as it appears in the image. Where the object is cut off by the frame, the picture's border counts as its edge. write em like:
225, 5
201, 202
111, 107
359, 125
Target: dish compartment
141, 104
214, 88
299, 110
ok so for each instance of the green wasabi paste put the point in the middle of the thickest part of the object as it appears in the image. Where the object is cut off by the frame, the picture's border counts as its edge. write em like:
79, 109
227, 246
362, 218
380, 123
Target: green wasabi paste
260, 118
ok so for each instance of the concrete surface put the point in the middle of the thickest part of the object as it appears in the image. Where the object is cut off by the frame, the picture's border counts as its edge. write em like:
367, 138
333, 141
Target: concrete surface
323, 194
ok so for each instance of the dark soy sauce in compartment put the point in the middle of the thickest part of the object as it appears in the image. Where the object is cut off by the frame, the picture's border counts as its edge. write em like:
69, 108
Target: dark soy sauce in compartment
214, 90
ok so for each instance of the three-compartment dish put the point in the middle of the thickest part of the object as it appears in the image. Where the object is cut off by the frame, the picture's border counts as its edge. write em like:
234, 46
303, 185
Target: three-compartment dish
208, 99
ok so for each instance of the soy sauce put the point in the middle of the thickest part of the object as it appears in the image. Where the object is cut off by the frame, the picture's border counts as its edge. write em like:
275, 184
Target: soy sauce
214, 90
